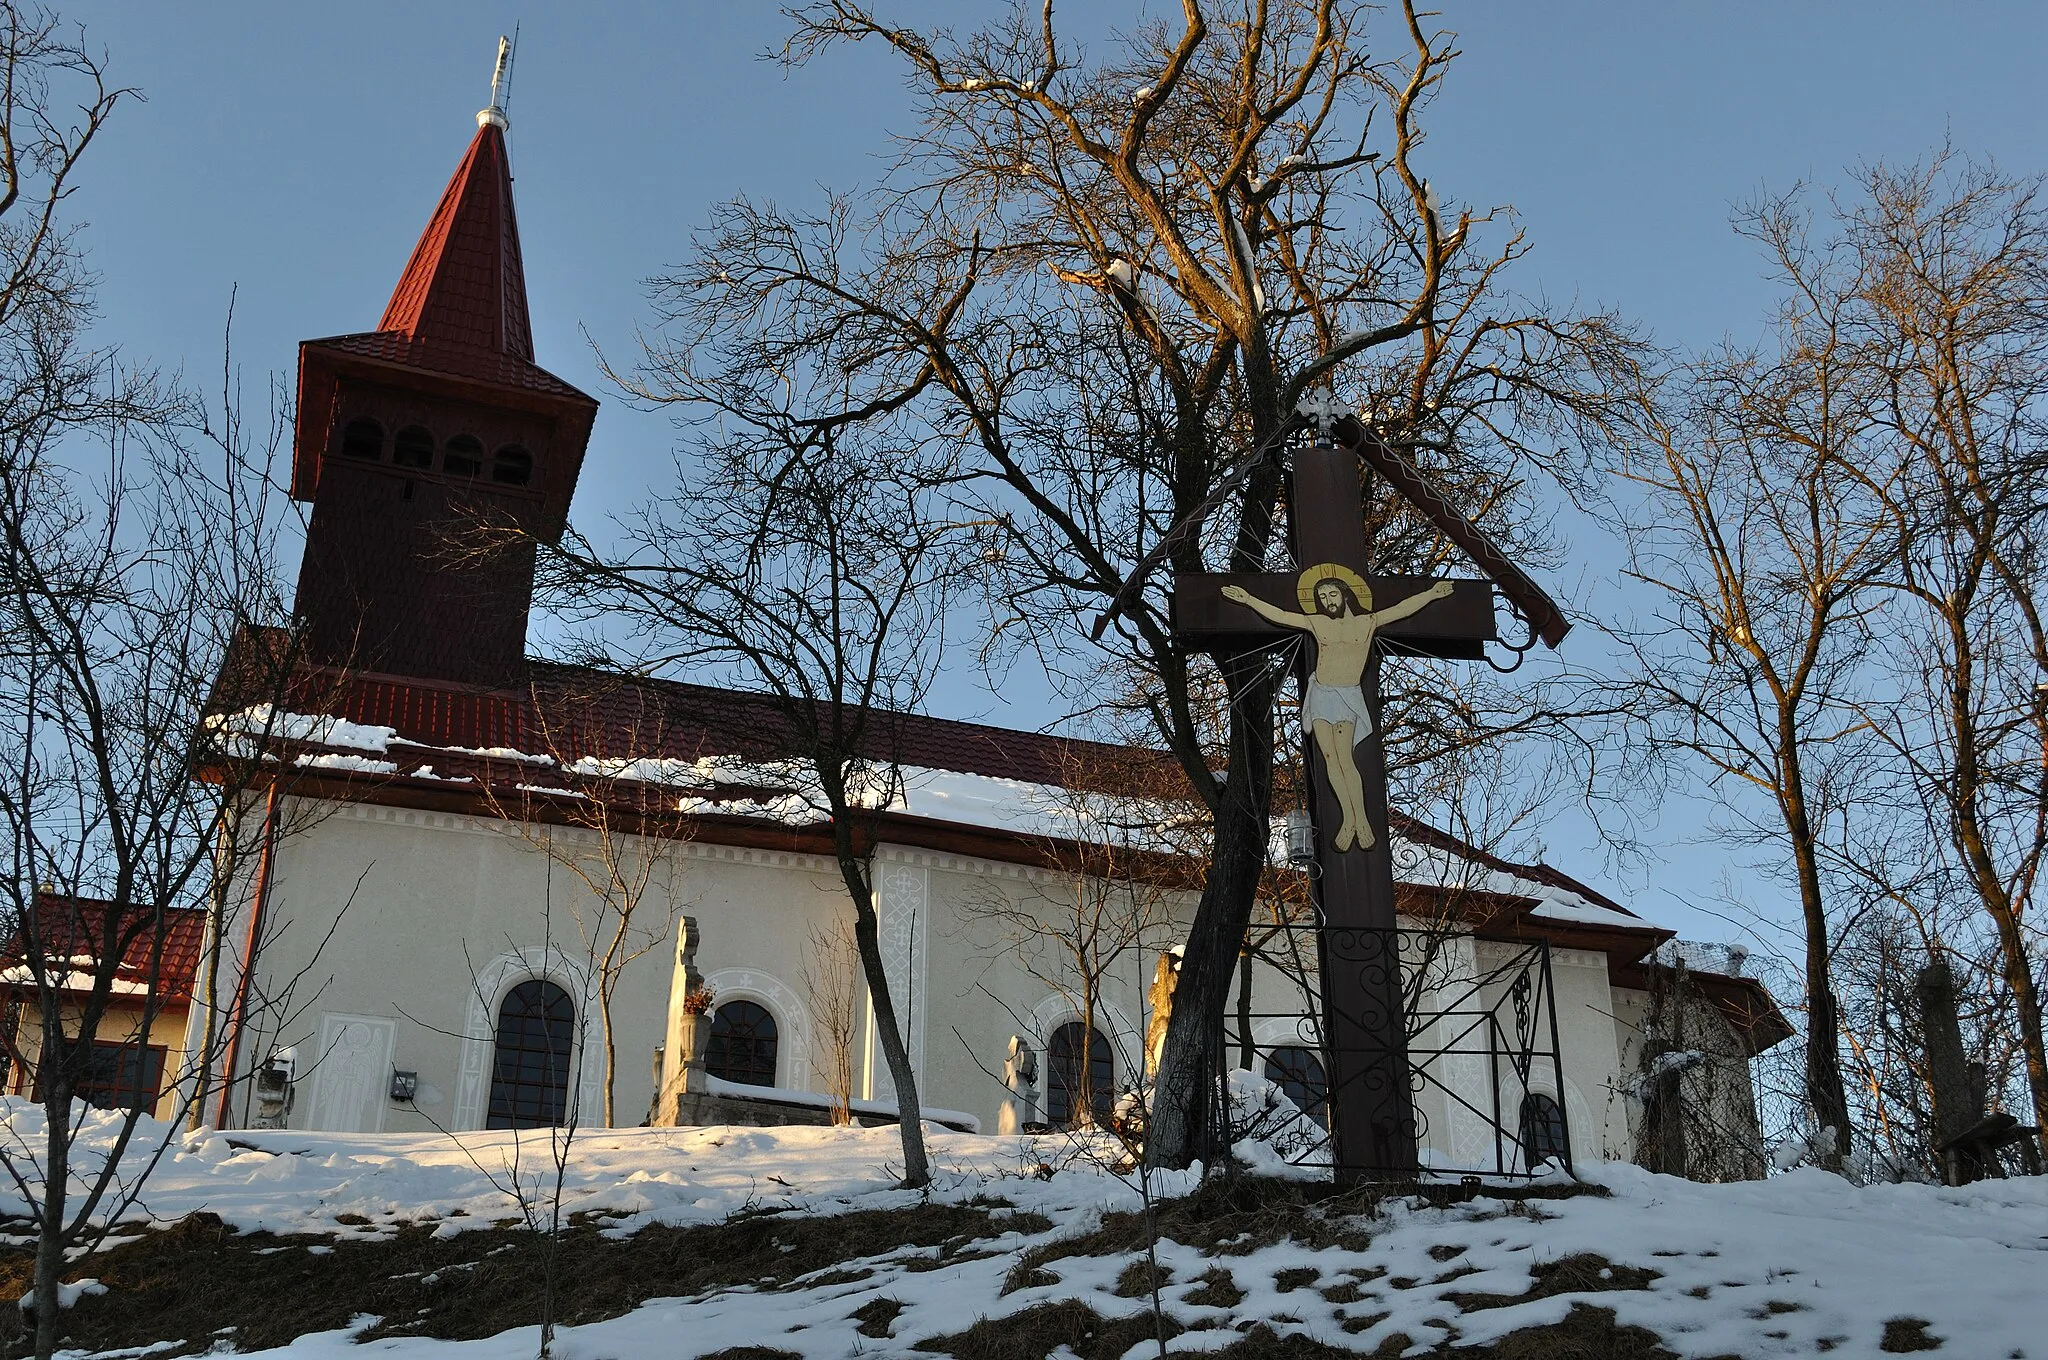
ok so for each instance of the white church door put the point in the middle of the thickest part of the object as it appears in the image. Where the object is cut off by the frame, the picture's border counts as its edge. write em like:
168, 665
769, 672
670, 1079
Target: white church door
352, 1073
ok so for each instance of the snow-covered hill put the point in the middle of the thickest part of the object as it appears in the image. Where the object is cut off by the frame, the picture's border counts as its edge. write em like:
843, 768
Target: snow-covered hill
1801, 1264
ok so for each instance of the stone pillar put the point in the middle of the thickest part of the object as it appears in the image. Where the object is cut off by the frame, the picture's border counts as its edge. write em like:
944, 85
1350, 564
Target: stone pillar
689, 1029
1957, 1107
1020, 1088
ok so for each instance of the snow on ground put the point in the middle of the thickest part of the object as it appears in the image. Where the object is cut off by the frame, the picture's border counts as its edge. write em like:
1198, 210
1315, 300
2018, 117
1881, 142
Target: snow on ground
1790, 1266
289, 1182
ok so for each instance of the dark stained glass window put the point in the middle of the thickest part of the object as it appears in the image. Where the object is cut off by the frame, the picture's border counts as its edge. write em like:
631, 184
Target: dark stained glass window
1081, 1086
363, 439
512, 465
536, 1038
742, 1044
1298, 1072
463, 456
1543, 1133
413, 447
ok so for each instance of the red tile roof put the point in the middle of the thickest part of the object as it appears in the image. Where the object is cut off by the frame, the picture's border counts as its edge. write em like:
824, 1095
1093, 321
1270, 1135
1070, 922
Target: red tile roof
465, 285
70, 931
460, 305
461, 361
573, 711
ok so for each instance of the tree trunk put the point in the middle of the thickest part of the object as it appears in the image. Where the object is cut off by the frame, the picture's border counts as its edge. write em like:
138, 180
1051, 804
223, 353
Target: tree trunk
604, 1020
867, 937
1180, 1130
56, 1185
1825, 1092
1998, 904
2026, 998
1245, 1053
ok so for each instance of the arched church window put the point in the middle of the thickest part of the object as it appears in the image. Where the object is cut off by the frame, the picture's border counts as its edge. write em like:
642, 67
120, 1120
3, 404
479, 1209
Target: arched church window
363, 439
1298, 1072
743, 1040
1543, 1131
530, 1070
512, 465
464, 456
1081, 1085
413, 447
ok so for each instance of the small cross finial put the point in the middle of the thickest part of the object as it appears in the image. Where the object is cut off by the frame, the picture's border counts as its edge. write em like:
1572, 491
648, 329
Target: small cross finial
1323, 408
501, 83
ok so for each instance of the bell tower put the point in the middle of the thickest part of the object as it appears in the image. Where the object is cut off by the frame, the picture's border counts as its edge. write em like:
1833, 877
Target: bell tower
411, 433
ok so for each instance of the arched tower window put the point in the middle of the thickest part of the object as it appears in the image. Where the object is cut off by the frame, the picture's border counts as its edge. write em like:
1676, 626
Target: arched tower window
413, 447
1298, 1072
512, 465
463, 456
1081, 1081
743, 1040
1543, 1131
530, 1070
363, 439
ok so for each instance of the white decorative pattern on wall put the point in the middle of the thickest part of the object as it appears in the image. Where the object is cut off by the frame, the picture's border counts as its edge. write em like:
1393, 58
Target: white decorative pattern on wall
902, 891
351, 1073
487, 993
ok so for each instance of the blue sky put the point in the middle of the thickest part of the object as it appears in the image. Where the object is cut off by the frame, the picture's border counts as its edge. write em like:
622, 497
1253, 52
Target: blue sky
294, 151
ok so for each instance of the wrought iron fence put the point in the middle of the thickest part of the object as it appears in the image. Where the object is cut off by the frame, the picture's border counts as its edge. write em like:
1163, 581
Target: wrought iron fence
1485, 1090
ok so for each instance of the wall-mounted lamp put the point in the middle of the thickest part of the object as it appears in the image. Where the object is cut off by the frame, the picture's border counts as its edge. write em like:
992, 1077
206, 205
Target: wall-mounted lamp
404, 1085
1301, 841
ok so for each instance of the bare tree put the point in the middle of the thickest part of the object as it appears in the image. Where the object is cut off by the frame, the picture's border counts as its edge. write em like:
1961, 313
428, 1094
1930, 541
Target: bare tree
830, 978
135, 568
620, 829
1110, 904
1953, 297
1093, 290
1758, 532
812, 566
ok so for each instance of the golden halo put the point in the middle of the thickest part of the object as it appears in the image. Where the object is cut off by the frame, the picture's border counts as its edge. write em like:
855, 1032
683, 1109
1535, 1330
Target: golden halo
1305, 588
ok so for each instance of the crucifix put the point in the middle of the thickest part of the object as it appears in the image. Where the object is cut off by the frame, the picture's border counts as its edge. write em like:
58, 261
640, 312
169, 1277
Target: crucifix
1347, 619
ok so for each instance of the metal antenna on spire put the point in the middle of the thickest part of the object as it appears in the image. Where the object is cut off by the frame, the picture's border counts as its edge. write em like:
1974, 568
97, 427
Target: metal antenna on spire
501, 82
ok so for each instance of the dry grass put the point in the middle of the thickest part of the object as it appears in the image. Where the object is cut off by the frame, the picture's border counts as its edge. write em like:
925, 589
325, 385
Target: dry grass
1140, 1278
1584, 1273
1037, 1332
1908, 1334
1587, 1333
187, 1283
1216, 1290
877, 1316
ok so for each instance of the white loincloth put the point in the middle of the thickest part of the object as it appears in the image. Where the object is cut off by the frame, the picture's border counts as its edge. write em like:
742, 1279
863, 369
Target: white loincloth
1336, 704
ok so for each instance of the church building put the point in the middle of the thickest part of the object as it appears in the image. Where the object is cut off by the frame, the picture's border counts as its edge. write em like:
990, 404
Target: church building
499, 882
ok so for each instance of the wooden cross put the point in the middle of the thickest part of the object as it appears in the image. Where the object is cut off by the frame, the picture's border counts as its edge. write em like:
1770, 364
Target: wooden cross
1364, 1029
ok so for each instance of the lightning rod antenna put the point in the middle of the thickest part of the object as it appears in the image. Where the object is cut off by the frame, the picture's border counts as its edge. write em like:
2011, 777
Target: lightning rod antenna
501, 82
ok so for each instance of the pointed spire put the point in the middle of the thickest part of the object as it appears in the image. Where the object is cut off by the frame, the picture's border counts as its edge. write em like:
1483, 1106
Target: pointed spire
465, 285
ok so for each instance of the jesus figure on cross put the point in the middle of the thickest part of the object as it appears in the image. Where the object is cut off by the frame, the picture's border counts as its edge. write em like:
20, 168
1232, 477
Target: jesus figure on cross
1337, 612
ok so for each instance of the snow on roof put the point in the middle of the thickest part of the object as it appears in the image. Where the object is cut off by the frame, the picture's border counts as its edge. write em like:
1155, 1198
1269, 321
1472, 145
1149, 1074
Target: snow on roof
786, 791
1703, 956
1440, 867
319, 729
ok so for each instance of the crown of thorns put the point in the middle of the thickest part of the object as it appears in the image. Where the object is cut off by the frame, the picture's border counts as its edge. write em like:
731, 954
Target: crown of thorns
1311, 577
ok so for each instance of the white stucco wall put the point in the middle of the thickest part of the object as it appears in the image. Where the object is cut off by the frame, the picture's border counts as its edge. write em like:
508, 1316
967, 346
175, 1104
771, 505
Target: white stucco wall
450, 912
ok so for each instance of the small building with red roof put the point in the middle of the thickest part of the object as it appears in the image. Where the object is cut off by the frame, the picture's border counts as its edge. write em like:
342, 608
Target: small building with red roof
60, 954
